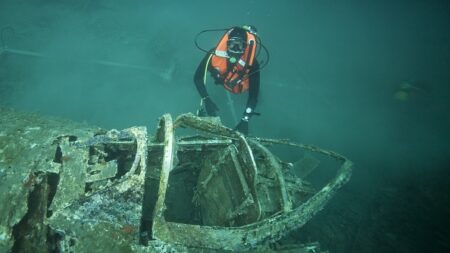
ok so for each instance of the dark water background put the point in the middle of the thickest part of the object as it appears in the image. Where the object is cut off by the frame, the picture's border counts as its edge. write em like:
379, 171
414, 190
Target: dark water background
333, 70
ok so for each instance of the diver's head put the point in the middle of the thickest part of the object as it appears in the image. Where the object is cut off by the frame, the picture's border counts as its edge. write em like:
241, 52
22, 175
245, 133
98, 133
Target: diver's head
237, 42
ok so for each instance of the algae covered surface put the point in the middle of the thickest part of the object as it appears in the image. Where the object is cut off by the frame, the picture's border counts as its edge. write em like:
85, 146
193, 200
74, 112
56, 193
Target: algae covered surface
70, 187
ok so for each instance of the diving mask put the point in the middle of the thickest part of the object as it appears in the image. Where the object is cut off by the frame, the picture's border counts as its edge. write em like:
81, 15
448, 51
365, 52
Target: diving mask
236, 45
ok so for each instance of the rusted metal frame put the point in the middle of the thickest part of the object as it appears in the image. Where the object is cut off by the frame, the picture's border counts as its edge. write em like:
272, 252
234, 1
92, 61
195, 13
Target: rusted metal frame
165, 135
267, 182
199, 143
198, 123
214, 170
71, 172
185, 145
246, 154
299, 187
248, 201
138, 145
190, 144
238, 168
266, 193
246, 237
192, 121
104, 171
275, 165
280, 225
140, 159
303, 146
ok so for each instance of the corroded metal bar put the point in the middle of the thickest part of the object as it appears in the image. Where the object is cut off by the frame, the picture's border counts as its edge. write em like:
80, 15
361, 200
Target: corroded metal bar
287, 204
166, 135
248, 236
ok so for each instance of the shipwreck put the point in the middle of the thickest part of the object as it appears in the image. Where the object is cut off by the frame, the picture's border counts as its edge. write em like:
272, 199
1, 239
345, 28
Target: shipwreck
193, 186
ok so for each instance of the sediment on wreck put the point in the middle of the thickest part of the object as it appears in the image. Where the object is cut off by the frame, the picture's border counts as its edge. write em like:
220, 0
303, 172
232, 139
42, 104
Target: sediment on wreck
74, 188
30, 233
29, 178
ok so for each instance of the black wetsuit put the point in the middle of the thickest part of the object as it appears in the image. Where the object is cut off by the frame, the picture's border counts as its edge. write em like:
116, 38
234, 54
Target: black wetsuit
253, 89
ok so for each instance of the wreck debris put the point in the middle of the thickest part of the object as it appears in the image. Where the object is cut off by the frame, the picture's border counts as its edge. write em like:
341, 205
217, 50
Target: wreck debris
122, 191
250, 235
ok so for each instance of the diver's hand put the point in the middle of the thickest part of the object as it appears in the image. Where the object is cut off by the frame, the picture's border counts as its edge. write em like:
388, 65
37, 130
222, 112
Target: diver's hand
242, 126
218, 79
210, 106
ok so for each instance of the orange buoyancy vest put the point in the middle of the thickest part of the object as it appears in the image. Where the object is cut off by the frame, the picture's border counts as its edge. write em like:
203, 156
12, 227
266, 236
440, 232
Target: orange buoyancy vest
235, 79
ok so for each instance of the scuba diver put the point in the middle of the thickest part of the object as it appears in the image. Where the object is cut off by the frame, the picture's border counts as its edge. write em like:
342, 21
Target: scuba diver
233, 64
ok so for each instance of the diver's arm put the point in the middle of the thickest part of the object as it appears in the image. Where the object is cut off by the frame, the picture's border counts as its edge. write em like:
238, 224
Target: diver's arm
252, 100
199, 77
199, 81
253, 90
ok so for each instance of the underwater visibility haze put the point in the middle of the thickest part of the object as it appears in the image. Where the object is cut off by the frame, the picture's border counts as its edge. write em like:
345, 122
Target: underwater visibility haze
367, 79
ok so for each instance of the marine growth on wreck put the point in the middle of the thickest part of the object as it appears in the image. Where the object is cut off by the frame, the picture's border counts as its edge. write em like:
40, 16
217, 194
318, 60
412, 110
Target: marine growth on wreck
70, 187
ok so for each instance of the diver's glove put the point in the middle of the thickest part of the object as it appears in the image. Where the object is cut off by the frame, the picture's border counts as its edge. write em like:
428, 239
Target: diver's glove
242, 126
218, 79
210, 107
